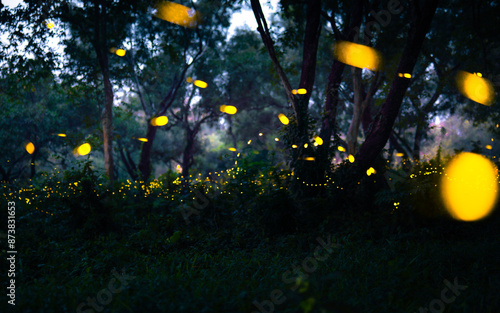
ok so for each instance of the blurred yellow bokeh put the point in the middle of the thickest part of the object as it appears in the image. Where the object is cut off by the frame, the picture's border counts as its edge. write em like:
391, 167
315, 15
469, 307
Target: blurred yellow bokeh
489, 147
294, 91
294, 146
83, 149
189, 79
159, 121
143, 139
469, 186
120, 52
351, 158
30, 147
178, 14
301, 91
370, 171
283, 119
405, 75
49, 24
200, 83
229, 109
400, 154
309, 159
232, 149
357, 55
341, 149
318, 140
475, 87
61, 135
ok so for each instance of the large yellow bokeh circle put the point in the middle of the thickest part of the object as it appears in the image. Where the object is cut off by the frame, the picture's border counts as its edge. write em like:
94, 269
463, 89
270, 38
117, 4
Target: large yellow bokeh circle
469, 186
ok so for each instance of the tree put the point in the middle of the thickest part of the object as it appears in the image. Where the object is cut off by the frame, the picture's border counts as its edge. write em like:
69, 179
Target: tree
158, 75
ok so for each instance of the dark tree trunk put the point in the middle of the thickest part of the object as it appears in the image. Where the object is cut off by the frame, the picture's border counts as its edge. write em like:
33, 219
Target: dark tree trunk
32, 165
145, 167
101, 47
383, 123
328, 124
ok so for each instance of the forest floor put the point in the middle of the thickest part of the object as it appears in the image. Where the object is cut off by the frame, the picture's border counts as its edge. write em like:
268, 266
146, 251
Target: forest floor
360, 262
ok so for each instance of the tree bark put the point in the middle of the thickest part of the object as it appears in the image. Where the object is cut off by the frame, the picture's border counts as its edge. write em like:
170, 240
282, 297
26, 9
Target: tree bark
382, 126
145, 167
100, 46
328, 123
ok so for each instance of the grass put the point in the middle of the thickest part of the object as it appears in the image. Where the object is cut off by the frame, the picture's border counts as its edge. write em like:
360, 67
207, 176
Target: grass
229, 258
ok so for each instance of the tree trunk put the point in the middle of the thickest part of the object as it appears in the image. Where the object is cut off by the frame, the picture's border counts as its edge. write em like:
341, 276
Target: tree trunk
107, 124
352, 133
32, 164
101, 48
382, 126
328, 124
145, 167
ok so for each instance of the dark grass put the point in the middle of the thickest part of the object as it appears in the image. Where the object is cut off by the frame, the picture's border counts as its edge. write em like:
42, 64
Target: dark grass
229, 256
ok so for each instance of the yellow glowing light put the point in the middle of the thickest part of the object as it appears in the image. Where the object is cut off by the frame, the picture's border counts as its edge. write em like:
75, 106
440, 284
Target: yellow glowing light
479, 74
294, 146
357, 55
189, 79
476, 88
276, 139
120, 52
49, 24
229, 109
260, 134
341, 149
200, 83
306, 145
318, 140
83, 149
294, 91
232, 149
315, 144
301, 91
351, 158
283, 119
370, 171
309, 158
400, 154
469, 186
159, 120
178, 14
30, 147
489, 147
143, 139
250, 141
405, 75
61, 135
